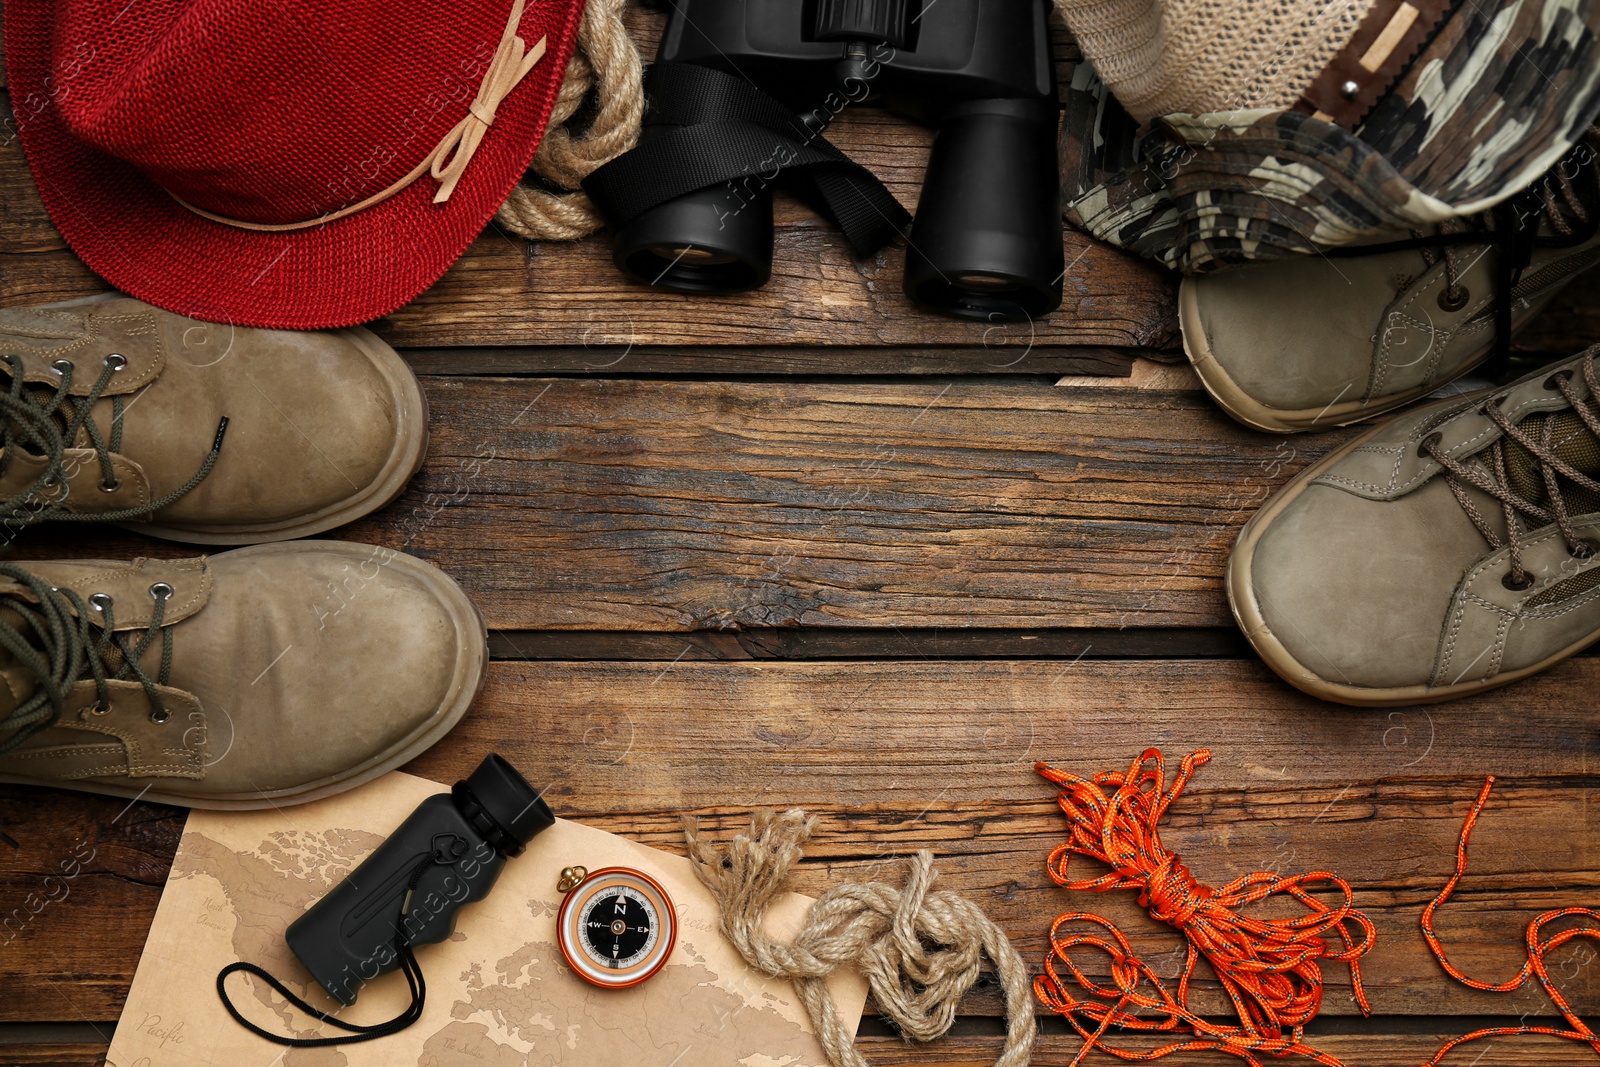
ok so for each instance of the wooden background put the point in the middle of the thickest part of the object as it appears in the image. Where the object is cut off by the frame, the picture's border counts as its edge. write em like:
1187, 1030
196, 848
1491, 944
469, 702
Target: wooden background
809, 546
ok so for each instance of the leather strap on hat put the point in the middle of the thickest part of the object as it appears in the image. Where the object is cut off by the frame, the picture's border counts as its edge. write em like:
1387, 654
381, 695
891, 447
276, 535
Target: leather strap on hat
512, 61
1377, 54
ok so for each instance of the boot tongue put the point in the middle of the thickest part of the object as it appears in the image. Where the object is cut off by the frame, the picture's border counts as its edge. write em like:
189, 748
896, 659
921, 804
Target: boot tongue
16, 686
1573, 443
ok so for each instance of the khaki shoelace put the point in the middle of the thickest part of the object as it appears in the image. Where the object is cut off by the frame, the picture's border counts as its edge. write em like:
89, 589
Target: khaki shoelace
1496, 480
43, 422
53, 639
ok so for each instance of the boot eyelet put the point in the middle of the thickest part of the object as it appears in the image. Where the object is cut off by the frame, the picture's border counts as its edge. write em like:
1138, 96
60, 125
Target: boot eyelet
61, 366
1584, 549
161, 591
1454, 300
116, 361
111, 487
1428, 442
1510, 582
100, 601
96, 708
160, 715
1555, 381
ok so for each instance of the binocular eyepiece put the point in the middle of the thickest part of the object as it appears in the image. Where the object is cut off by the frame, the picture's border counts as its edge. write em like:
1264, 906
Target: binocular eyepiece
986, 243
716, 240
986, 240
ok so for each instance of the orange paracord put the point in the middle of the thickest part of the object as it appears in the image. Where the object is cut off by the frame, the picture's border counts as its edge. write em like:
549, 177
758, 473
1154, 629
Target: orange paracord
1539, 946
1269, 967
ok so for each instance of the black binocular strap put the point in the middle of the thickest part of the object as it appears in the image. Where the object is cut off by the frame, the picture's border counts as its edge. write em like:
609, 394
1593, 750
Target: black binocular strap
725, 129
357, 1031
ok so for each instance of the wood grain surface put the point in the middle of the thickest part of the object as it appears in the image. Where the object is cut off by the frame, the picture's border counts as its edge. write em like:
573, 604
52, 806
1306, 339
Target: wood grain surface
808, 546
940, 755
665, 505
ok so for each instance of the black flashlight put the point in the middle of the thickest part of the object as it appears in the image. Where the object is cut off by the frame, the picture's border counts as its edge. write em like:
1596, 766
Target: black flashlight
446, 854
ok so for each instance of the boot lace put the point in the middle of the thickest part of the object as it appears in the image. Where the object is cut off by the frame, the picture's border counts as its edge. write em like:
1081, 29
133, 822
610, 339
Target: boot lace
42, 421
1567, 198
1493, 477
56, 642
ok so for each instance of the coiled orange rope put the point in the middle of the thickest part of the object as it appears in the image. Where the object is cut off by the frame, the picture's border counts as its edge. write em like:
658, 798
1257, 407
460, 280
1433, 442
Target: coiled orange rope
1270, 968
1539, 946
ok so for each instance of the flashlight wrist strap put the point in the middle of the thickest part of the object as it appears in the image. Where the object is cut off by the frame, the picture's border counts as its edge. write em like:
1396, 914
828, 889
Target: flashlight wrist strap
357, 1032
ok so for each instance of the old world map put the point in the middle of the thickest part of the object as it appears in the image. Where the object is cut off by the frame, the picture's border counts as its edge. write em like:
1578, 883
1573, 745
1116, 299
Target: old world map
499, 992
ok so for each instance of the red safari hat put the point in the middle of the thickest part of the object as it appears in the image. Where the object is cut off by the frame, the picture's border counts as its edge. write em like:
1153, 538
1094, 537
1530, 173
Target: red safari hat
295, 164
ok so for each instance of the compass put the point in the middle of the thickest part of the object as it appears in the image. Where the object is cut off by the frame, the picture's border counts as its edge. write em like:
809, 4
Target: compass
616, 926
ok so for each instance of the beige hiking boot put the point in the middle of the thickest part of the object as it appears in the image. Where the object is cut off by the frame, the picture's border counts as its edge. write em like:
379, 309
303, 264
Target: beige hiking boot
1314, 342
115, 411
1449, 551
259, 677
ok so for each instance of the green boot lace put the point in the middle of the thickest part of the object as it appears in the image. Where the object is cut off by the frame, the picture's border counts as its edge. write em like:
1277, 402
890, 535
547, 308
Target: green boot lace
42, 422
47, 631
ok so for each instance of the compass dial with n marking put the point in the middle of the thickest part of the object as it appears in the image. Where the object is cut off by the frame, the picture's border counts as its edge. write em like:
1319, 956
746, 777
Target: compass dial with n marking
616, 927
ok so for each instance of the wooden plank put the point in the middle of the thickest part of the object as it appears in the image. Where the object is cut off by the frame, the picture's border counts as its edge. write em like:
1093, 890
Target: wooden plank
899, 756
666, 505
840, 643
74, 1055
505, 291
1376, 1047
608, 355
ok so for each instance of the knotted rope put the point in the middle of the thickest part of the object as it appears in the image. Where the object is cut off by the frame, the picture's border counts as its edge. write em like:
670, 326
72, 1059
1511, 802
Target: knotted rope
512, 61
1270, 968
607, 62
919, 948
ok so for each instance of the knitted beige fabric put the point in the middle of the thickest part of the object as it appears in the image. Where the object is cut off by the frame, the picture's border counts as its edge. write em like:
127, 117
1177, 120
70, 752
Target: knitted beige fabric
1162, 57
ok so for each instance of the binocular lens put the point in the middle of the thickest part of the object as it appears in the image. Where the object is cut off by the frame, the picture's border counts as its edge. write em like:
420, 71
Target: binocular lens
989, 284
986, 243
695, 257
718, 240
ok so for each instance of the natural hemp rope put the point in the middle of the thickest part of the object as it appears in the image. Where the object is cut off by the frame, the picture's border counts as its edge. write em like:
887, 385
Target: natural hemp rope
606, 61
919, 948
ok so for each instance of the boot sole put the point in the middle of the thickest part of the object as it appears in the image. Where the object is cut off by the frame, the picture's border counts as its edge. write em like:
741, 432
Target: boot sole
406, 458
471, 672
1258, 416
1247, 612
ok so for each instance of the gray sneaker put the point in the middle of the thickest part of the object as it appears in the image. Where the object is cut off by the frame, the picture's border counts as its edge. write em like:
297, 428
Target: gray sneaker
1449, 551
1316, 342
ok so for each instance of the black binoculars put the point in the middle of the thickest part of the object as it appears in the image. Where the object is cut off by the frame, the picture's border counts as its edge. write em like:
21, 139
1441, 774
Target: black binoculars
986, 241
